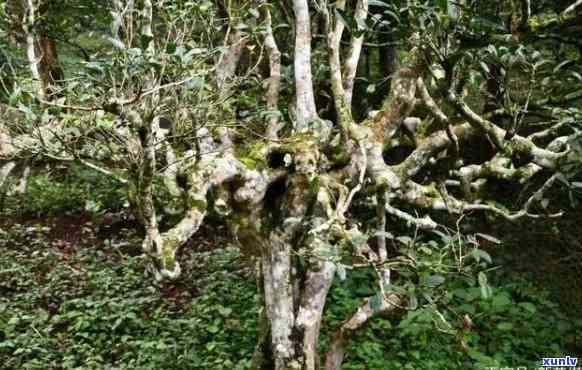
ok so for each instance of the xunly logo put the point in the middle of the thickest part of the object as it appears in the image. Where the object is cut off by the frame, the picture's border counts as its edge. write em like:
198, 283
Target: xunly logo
559, 361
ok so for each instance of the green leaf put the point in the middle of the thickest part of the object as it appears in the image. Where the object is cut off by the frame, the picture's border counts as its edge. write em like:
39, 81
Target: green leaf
8, 344
468, 308
406, 240
528, 306
15, 97
563, 65
501, 301
486, 291
117, 43
505, 326
489, 25
412, 302
14, 320
378, 3
479, 254
171, 48
393, 15
576, 75
435, 280
145, 41
341, 272
425, 250
573, 95
443, 5
376, 302
224, 311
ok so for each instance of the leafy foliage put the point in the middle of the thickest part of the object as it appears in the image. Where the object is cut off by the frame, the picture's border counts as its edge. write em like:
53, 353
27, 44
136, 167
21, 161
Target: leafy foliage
75, 190
511, 328
89, 307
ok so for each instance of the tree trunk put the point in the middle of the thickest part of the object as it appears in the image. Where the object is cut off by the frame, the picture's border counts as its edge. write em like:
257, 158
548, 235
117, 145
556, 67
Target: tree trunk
294, 303
51, 72
41, 50
295, 292
31, 50
305, 99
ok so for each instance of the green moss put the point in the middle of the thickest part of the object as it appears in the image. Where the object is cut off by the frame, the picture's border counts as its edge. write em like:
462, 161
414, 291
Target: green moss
534, 23
300, 142
339, 156
517, 146
199, 204
168, 249
539, 23
253, 156
247, 234
249, 163
423, 130
431, 190
314, 185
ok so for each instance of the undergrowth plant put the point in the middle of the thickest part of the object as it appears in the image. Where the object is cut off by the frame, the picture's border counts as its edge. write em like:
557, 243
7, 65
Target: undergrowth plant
88, 307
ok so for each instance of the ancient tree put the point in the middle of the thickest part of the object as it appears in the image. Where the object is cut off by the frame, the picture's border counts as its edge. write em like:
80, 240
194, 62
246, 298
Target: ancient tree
468, 106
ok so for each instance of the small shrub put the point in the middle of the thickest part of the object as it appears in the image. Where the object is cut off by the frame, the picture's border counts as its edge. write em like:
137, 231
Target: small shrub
78, 190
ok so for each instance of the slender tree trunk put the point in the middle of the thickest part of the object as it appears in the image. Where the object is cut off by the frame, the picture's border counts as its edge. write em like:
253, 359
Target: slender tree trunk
262, 357
41, 52
306, 110
294, 293
274, 84
31, 49
353, 58
4, 173
147, 26
50, 69
234, 44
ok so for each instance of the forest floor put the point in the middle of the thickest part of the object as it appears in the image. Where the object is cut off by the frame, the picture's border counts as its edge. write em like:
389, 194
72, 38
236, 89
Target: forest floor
74, 295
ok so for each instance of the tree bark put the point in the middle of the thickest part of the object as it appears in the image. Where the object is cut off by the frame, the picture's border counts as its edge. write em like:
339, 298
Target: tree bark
274, 84
50, 69
305, 98
317, 284
5, 171
41, 50
31, 50
294, 319
353, 58
277, 271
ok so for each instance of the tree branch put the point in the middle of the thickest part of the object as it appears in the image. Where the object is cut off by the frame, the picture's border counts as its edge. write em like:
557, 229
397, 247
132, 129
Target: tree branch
305, 98
347, 330
274, 82
351, 64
